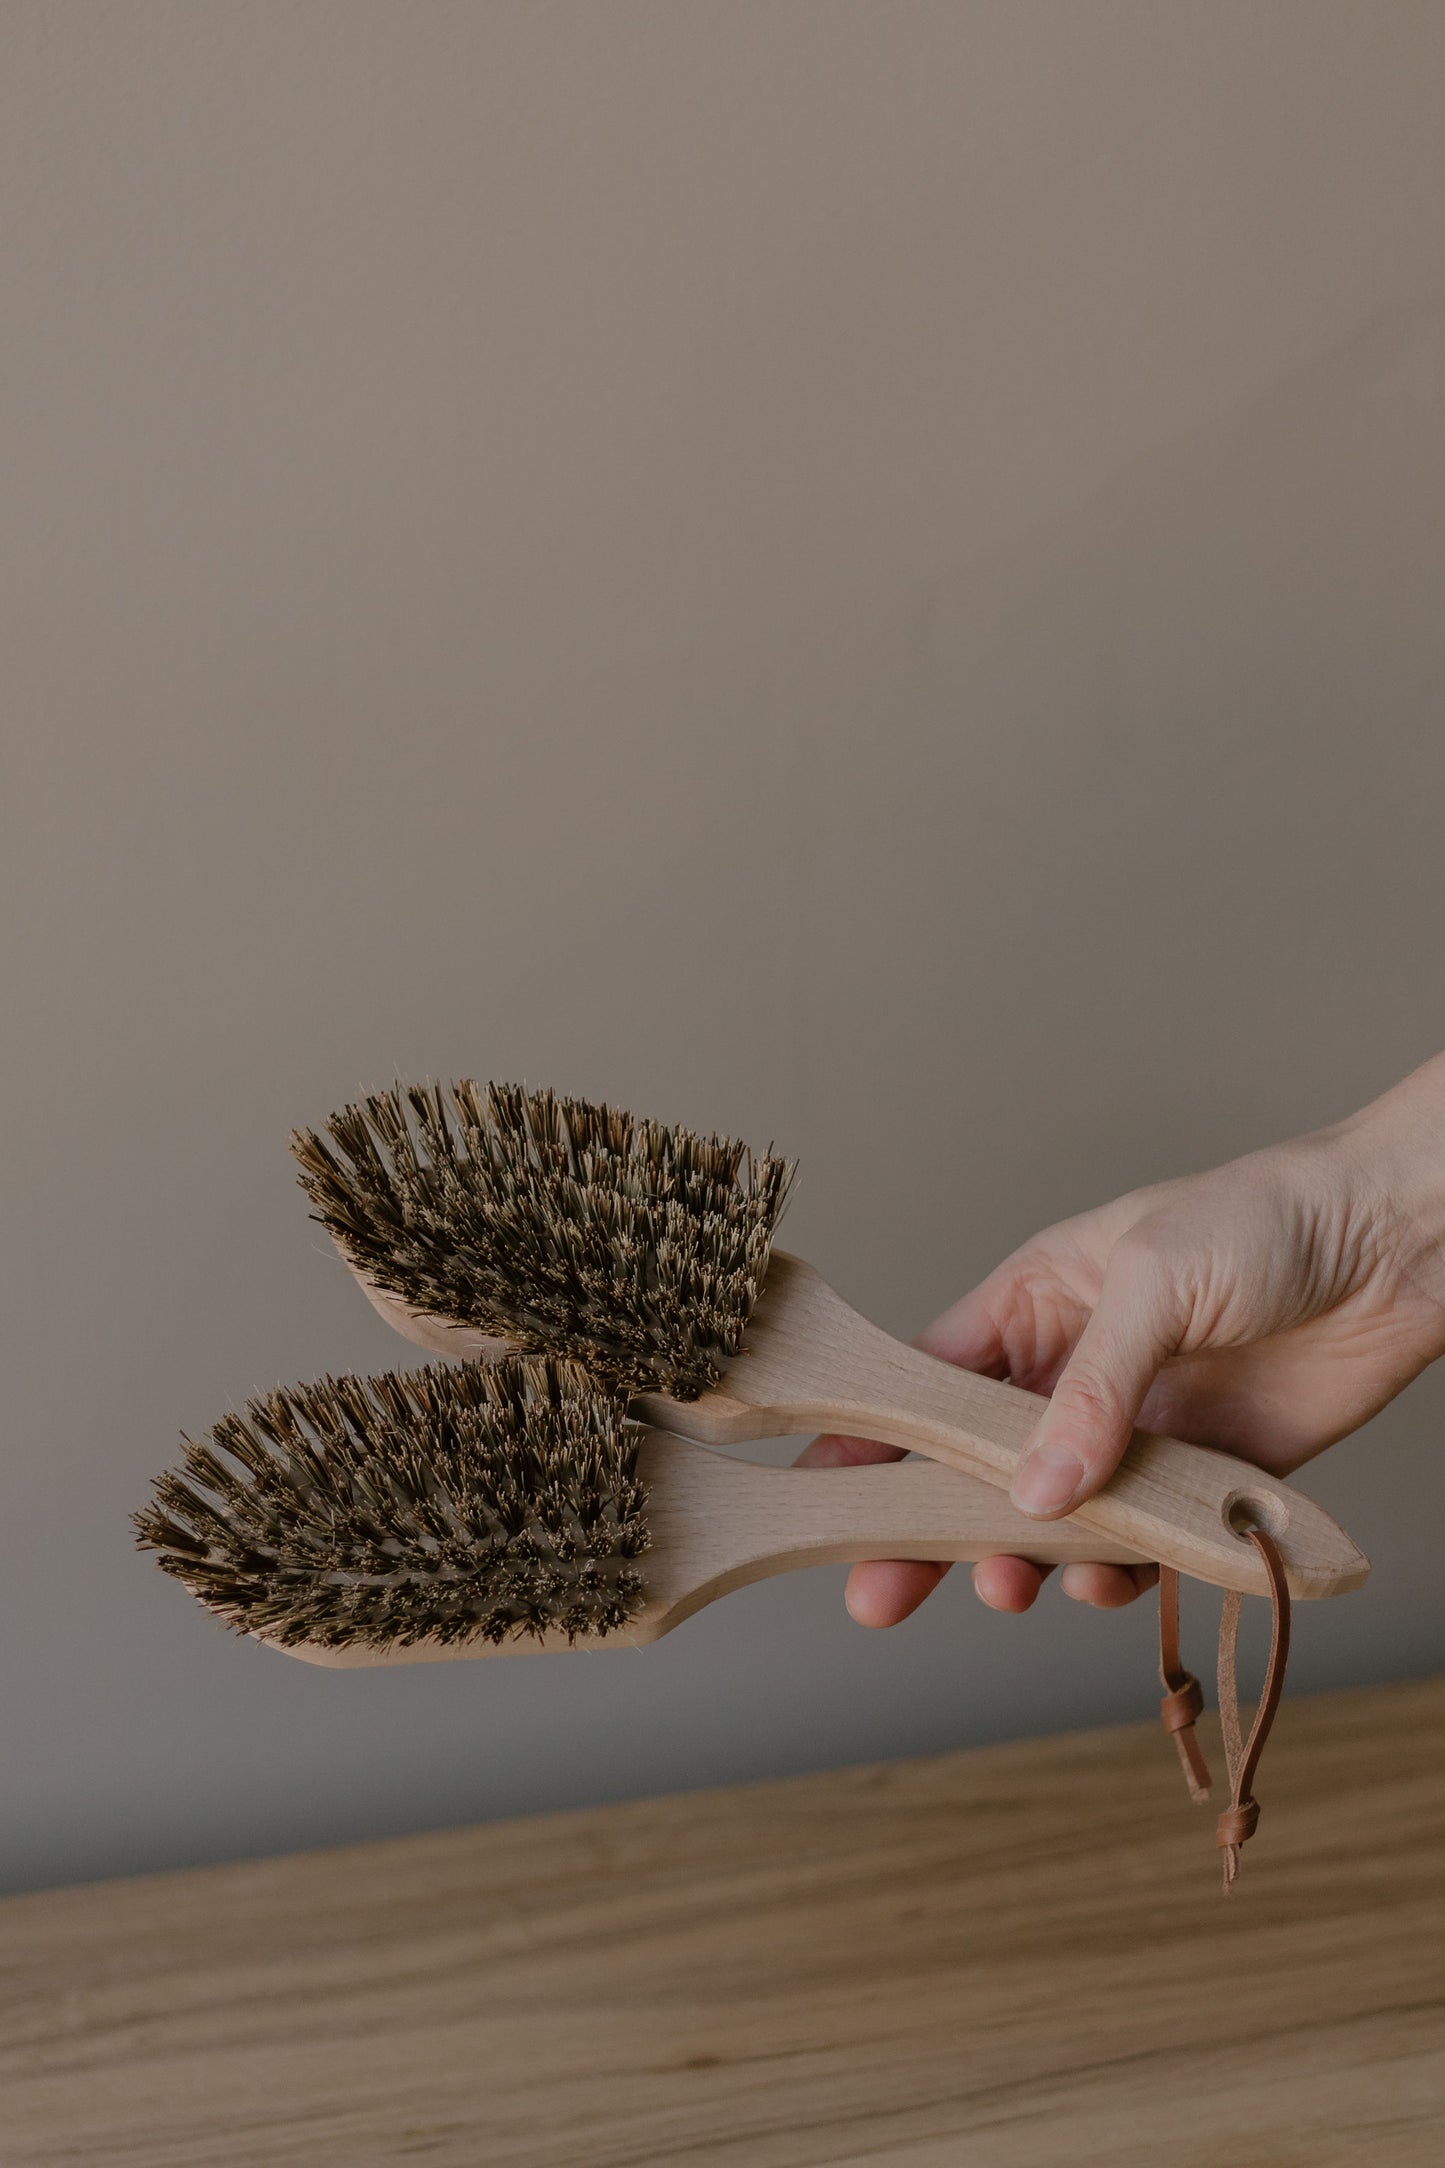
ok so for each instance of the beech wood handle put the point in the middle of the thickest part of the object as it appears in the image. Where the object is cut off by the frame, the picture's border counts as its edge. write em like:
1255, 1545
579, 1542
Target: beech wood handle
812, 1363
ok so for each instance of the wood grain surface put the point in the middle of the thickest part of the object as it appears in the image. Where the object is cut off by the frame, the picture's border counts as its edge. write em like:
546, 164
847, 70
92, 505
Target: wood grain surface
998, 1959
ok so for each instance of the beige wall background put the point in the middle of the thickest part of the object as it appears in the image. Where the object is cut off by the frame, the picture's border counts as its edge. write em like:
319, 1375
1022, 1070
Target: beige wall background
868, 575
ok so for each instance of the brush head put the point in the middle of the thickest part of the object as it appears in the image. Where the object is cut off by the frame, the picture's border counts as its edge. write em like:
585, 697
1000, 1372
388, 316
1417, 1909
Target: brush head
560, 1226
489, 1500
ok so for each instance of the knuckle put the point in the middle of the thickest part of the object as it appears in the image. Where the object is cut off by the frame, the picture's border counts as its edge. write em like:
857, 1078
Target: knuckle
1151, 1261
1147, 1248
1086, 1396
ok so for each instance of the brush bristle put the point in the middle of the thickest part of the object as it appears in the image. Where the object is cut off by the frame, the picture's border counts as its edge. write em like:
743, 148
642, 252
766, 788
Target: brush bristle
560, 1226
485, 1501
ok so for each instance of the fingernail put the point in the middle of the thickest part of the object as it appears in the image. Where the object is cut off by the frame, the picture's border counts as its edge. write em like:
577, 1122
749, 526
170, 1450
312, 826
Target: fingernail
1047, 1480
981, 1592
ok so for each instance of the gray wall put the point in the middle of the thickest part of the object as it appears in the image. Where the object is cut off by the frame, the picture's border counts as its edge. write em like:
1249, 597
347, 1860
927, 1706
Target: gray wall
867, 575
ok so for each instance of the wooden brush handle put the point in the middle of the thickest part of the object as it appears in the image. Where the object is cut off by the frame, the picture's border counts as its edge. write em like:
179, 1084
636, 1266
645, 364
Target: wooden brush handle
812, 1363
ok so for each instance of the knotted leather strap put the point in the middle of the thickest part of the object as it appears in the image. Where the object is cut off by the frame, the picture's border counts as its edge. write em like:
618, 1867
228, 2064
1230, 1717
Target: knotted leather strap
1242, 1755
1183, 1695
1183, 1699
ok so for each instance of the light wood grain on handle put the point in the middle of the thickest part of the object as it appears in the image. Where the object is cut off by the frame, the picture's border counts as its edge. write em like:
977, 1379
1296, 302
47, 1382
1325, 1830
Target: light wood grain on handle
812, 1363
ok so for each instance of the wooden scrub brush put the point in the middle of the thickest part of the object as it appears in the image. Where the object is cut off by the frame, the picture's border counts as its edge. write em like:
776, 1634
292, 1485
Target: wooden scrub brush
478, 1219
456, 1511
613, 1304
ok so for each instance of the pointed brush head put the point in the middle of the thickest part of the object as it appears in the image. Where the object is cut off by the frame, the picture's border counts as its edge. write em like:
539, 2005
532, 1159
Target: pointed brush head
558, 1225
489, 1500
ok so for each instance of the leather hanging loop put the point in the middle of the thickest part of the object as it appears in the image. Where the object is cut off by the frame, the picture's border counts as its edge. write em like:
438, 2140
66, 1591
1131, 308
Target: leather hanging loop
1183, 1696
1184, 1700
1238, 1821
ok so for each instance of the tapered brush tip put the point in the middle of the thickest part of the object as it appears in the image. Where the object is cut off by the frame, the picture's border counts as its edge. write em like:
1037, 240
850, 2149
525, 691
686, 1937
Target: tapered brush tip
445, 1504
560, 1225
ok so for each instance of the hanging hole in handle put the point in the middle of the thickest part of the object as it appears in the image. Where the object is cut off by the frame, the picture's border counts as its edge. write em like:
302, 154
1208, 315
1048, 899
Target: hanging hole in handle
1244, 1509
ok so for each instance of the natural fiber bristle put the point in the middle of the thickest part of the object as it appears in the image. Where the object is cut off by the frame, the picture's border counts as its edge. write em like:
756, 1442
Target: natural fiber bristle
560, 1226
485, 1501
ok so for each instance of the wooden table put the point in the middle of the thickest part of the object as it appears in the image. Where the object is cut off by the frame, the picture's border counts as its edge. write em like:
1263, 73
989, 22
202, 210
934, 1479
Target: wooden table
996, 1959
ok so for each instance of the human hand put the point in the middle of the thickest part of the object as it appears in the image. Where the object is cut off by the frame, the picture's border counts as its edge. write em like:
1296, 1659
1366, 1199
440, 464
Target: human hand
1269, 1307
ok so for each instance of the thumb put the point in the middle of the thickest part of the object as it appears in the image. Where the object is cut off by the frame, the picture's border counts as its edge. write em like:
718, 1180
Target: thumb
1138, 1323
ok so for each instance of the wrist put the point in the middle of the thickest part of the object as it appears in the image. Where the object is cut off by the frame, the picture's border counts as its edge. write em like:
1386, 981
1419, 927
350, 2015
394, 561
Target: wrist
1393, 1153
